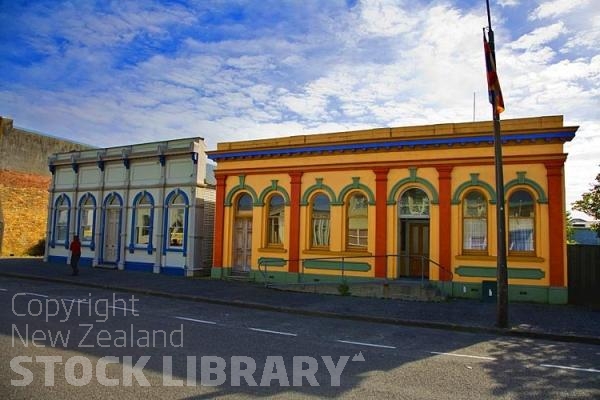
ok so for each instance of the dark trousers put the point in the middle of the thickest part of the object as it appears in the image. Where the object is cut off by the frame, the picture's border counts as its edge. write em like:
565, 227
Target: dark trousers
74, 262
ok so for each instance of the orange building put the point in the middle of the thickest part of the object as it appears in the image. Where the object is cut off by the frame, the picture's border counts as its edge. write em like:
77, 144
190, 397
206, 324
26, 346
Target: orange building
415, 202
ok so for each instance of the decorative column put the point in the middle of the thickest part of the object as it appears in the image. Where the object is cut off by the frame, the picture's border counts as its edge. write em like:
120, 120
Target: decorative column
219, 226
381, 180
556, 218
294, 225
445, 219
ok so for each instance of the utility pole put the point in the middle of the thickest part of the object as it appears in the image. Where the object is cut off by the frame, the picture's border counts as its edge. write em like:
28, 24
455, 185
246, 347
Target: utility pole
497, 107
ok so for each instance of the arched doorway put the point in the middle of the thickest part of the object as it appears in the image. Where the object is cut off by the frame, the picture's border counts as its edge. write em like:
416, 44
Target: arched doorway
242, 234
413, 235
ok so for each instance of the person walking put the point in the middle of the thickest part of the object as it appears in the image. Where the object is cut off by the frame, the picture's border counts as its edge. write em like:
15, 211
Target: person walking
75, 248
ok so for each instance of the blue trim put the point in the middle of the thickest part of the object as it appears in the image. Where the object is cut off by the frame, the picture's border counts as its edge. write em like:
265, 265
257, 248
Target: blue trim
54, 220
91, 244
132, 244
57, 259
108, 197
173, 271
393, 145
86, 261
139, 266
166, 245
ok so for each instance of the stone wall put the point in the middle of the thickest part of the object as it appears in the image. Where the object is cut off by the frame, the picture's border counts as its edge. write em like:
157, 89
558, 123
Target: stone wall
24, 181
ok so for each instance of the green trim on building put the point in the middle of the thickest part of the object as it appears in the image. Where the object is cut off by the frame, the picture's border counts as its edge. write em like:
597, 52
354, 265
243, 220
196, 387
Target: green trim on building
522, 180
219, 273
273, 188
272, 261
241, 187
319, 186
487, 272
356, 185
413, 178
558, 295
474, 182
337, 265
516, 293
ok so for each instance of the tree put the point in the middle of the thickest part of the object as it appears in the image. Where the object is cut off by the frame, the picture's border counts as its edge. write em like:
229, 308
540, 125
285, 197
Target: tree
590, 204
570, 230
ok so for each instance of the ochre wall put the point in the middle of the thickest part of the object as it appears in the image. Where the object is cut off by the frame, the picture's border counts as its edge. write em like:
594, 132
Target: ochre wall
24, 204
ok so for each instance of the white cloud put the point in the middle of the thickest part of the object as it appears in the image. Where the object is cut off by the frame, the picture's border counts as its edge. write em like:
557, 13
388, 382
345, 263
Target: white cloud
556, 8
539, 37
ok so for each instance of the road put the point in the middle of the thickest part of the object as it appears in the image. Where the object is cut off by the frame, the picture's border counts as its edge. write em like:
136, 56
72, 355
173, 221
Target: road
60, 341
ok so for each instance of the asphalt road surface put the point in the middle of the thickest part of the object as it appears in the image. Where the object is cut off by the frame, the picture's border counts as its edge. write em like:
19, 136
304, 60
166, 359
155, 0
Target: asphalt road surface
62, 342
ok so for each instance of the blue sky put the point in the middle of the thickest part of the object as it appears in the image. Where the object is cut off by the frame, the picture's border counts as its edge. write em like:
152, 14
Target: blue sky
109, 73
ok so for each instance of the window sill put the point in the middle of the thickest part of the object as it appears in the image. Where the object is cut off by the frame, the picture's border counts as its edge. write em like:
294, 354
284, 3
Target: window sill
485, 257
330, 253
272, 250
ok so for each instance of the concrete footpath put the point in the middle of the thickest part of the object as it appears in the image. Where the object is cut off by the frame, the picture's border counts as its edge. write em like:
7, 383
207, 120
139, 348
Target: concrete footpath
542, 321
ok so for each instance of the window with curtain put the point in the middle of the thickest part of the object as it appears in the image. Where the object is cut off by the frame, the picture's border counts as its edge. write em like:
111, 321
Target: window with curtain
86, 218
275, 223
521, 222
176, 220
320, 216
475, 222
61, 219
357, 231
143, 219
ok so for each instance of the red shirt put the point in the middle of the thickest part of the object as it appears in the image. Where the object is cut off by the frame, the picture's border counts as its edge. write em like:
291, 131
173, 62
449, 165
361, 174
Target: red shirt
75, 247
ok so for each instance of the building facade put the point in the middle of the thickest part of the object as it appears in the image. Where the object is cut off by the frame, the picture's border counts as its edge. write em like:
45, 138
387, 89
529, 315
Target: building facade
397, 203
145, 207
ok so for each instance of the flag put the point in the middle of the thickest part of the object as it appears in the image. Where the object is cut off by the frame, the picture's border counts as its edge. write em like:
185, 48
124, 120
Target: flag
494, 91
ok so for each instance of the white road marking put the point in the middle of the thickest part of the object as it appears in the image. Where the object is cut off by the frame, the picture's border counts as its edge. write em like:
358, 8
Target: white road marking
463, 355
274, 332
570, 368
367, 344
35, 294
3, 290
123, 308
201, 321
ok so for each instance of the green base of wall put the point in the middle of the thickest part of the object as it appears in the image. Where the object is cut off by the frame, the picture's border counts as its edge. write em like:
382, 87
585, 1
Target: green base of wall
485, 291
516, 293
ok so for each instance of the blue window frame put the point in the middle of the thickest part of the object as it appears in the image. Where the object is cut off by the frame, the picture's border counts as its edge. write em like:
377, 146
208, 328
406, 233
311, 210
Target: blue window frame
176, 222
142, 222
86, 220
61, 221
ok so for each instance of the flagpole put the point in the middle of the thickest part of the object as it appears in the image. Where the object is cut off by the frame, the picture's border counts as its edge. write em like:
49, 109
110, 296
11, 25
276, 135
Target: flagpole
501, 264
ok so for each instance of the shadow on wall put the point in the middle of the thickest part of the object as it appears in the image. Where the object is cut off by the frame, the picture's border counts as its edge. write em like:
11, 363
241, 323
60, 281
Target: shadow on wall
38, 249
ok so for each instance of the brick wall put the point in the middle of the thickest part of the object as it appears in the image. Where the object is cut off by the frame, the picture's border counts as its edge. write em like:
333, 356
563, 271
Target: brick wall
24, 182
24, 207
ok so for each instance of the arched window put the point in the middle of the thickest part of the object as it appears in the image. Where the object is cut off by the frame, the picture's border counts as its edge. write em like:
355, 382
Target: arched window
143, 218
357, 221
475, 222
275, 222
320, 217
414, 203
87, 217
176, 220
61, 220
244, 203
521, 222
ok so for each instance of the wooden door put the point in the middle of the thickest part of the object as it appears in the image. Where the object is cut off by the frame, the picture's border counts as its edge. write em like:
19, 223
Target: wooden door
242, 244
418, 247
111, 235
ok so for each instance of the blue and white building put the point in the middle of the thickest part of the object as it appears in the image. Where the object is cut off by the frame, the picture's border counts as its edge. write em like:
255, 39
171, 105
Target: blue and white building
145, 207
